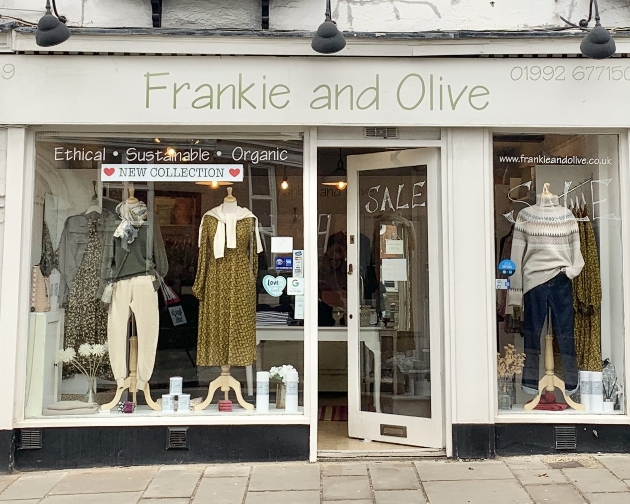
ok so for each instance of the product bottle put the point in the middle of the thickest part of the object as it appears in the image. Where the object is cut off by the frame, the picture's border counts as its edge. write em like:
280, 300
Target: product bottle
292, 392
262, 391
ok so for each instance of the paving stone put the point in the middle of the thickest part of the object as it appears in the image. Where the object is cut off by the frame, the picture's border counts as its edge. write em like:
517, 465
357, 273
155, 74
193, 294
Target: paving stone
27, 501
476, 492
540, 477
284, 477
618, 465
227, 470
165, 501
525, 463
555, 494
174, 482
5, 481
387, 476
346, 487
595, 480
32, 486
221, 491
128, 479
362, 501
608, 498
456, 471
99, 498
399, 497
288, 497
344, 469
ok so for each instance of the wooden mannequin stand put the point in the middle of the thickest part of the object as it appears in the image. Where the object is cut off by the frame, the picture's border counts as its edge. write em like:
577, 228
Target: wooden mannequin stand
132, 380
225, 382
550, 381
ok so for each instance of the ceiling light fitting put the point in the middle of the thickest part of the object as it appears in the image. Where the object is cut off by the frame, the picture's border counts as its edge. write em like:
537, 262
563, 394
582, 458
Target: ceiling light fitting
338, 178
284, 185
51, 29
598, 43
328, 39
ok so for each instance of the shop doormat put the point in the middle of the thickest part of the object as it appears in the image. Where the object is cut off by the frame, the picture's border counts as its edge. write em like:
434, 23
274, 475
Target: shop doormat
333, 413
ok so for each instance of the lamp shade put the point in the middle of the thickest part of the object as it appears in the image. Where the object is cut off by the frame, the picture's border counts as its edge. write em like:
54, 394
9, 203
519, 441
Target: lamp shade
50, 31
328, 39
598, 44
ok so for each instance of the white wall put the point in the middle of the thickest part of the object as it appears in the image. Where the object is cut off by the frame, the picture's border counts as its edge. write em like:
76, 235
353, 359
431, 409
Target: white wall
351, 15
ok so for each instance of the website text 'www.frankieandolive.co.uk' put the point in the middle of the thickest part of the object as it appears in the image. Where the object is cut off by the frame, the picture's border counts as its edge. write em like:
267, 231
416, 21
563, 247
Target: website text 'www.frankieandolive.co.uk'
555, 160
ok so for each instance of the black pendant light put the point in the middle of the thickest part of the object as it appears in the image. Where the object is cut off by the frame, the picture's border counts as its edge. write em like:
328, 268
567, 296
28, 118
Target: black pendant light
328, 39
51, 29
598, 44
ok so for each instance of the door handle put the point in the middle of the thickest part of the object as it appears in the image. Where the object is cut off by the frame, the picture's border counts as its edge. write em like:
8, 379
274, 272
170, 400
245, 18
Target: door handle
349, 269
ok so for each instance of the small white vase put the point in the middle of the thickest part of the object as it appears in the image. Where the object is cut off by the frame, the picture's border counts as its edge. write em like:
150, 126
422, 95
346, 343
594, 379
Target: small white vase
609, 406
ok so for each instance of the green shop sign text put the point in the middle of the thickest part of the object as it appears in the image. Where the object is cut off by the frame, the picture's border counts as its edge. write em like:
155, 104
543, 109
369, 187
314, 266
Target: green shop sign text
412, 91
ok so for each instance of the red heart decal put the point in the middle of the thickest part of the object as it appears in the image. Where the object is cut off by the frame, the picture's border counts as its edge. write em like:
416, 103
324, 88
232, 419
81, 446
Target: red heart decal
109, 171
235, 171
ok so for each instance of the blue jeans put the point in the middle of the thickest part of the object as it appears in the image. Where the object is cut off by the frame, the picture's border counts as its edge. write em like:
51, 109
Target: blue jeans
555, 295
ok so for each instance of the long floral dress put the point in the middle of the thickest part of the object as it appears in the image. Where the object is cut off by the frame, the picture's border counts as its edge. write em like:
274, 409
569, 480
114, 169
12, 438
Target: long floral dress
226, 289
86, 321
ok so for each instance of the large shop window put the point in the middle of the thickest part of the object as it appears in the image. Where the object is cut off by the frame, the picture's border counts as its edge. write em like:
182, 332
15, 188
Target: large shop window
161, 278
560, 334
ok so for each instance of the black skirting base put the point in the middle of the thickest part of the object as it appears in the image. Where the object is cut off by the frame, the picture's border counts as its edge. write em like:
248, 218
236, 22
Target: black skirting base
7, 448
65, 448
479, 441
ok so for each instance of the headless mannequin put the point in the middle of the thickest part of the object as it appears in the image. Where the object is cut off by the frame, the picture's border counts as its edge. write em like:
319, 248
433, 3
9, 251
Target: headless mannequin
131, 380
550, 381
226, 382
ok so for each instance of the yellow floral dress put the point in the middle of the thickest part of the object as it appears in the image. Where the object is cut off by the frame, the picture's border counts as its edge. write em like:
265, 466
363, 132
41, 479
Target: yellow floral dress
226, 289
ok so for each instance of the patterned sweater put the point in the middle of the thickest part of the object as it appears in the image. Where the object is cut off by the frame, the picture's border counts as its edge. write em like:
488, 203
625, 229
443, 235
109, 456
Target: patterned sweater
546, 242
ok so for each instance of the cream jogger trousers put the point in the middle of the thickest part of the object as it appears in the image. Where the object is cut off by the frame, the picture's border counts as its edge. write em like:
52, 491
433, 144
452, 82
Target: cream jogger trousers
135, 295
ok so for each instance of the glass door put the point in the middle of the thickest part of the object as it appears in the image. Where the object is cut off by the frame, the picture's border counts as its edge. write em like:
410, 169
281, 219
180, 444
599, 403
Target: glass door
394, 343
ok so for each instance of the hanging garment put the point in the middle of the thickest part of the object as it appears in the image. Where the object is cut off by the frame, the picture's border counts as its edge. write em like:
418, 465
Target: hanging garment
85, 320
226, 289
587, 300
73, 243
138, 296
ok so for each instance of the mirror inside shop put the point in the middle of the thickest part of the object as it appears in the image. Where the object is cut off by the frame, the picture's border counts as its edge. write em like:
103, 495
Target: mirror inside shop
560, 333
161, 270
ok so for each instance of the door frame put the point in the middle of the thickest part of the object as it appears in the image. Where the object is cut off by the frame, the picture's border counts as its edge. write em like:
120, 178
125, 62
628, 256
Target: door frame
352, 137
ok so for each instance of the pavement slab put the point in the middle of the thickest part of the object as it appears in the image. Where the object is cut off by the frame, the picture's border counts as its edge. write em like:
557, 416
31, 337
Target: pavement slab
346, 487
453, 471
555, 494
221, 491
344, 470
399, 497
226, 470
99, 498
32, 486
116, 479
608, 498
619, 465
595, 481
540, 477
525, 463
284, 477
174, 482
5, 481
476, 492
165, 501
392, 476
286, 497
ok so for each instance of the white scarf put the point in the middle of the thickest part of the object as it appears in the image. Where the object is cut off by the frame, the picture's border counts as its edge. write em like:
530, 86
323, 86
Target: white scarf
226, 229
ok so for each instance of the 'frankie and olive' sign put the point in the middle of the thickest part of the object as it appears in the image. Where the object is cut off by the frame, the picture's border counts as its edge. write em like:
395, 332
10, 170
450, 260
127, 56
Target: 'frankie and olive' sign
300, 91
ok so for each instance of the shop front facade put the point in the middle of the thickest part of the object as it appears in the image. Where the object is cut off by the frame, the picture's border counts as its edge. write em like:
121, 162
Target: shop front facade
434, 245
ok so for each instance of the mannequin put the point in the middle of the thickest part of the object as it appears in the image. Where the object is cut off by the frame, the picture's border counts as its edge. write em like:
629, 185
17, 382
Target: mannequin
132, 258
546, 252
225, 285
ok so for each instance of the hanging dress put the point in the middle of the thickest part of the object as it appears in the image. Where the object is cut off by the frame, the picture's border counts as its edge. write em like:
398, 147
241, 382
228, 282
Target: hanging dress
85, 319
226, 289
